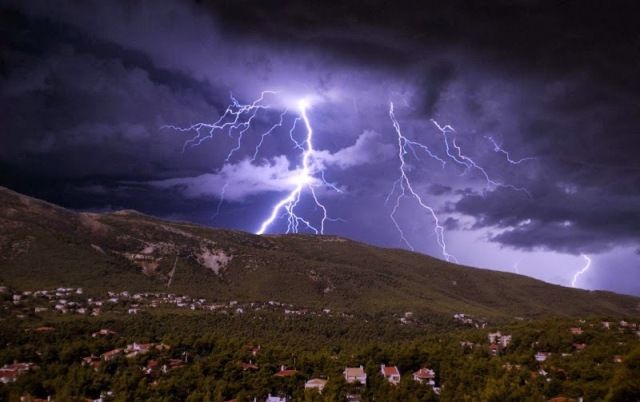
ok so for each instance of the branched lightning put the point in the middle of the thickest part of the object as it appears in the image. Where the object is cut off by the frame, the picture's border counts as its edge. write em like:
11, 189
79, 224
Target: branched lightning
582, 271
467, 162
237, 119
235, 122
402, 186
405, 189
499, 149
304, 181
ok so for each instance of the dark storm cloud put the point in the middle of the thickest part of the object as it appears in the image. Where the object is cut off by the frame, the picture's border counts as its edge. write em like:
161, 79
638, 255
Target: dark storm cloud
85, 87
574, 221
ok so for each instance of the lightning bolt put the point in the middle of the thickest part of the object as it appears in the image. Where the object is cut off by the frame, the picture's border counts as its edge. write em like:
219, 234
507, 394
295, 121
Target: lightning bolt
582, 271
304, 181
499, 149
237, 120
469, 164
404, 188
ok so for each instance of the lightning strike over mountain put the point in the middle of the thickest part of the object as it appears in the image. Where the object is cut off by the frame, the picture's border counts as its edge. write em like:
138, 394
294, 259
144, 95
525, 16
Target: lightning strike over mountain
582, 271
235, 122
304, 180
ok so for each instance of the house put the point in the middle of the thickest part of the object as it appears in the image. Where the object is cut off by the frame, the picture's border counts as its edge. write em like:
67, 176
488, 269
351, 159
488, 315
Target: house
248, 366
284, 372
355, 374
576, 330
493, 348
618, 358
580, 346
152, 367
103, 332
176, 363
10, 372
112, 354
272, 398
91, 361
391, 373
41, 330
136, 349
505, 340
542, 356
315, 383
425, 376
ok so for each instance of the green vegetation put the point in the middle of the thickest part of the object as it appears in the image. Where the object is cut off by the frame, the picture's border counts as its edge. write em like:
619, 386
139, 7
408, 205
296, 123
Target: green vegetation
43, 246
214, 345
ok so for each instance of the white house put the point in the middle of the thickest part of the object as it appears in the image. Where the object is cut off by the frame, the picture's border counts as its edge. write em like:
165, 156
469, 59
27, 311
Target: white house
272, 398
315, 383
355, 374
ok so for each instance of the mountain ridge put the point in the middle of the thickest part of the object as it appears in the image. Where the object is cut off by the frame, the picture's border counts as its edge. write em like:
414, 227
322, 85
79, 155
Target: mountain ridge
42, 244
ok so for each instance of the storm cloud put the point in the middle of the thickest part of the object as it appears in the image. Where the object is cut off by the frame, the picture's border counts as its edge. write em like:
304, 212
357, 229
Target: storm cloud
87, 87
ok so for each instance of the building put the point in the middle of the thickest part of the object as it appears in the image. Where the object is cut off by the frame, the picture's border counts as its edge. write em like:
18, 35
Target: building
425, 376
103, 332
315, 383
355, 375
112, 354
542, 356
576, 330
272, 398
284, 372
10, 372
390, 373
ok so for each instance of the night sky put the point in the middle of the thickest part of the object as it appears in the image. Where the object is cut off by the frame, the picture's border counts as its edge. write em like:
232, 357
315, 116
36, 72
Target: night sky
86, 87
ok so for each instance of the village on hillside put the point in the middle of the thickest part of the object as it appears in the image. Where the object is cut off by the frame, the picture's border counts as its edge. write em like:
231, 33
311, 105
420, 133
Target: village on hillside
157, 361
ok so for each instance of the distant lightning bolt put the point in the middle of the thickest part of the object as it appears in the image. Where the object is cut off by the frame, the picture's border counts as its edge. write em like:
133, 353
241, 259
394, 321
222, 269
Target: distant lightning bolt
498, 148
404, 188
582, 271
467, 162
221, 200
235, 122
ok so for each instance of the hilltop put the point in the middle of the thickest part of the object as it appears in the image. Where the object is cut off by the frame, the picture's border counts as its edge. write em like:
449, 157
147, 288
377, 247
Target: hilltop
43, 246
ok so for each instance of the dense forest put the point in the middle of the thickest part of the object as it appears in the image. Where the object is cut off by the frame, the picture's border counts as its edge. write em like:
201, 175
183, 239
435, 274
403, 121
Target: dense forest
194, 355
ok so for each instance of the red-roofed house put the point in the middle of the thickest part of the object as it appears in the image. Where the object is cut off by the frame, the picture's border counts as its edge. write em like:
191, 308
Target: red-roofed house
112, 354
391, 373
425, 376
10, 372
284, 372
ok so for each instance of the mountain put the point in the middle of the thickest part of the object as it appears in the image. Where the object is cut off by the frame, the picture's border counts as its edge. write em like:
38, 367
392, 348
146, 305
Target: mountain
45, 246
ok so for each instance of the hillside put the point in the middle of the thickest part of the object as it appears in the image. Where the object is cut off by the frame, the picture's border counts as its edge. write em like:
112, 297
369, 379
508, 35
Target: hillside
44, 246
